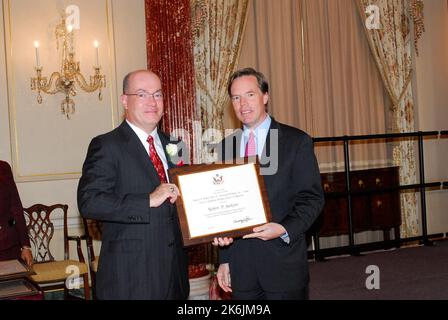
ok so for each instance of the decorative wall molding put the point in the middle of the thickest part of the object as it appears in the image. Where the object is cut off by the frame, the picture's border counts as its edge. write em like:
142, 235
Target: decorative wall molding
44, 144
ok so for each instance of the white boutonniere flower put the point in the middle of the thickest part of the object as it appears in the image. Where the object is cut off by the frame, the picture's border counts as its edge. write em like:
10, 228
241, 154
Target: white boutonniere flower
171, 149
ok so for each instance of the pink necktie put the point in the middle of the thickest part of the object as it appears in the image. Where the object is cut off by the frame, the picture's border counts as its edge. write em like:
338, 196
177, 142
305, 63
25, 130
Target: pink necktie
155, 159
251, 148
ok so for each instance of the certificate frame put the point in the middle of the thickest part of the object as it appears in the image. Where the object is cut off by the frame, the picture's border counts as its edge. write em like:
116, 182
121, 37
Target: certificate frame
14, 269
17, 288
183, 214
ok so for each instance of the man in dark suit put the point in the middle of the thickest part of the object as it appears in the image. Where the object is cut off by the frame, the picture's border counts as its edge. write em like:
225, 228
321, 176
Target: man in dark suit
270, 263
14, 240
124, 184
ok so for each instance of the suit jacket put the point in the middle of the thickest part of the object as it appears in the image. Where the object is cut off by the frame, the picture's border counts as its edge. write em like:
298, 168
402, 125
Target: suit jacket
142, 255
13, 232
296, 199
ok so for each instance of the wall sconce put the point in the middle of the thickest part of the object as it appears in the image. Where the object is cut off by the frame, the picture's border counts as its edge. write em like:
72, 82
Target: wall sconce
69, 76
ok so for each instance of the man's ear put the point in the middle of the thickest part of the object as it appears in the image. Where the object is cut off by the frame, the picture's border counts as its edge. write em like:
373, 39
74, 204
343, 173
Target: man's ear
124, 101
265, 98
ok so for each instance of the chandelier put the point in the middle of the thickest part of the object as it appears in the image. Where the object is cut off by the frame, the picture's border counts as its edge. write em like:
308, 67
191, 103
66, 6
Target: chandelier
69, 77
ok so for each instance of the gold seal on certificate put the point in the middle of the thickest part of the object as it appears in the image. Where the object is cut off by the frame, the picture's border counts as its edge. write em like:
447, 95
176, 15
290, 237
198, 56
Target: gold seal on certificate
219, 200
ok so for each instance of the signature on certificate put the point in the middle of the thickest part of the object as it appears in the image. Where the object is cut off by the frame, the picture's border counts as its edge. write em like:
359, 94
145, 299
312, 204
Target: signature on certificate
243, 220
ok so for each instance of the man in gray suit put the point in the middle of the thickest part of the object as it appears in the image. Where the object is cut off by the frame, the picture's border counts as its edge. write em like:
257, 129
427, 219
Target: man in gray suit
124, 185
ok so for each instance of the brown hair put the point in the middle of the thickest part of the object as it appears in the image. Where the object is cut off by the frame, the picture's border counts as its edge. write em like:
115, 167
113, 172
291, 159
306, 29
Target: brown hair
262, 82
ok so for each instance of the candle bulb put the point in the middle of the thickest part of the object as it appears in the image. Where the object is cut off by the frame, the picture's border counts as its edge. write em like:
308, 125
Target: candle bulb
71, 48
97, 60
36, 46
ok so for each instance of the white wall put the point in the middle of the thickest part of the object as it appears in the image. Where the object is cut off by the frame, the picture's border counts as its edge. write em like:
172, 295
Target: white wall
130, 39
5, 150
431, 80
120, 26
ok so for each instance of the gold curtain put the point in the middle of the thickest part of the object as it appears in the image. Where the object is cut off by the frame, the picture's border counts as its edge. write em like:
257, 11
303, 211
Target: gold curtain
272, 43
391, 47
218, 27
344, 91
323, 78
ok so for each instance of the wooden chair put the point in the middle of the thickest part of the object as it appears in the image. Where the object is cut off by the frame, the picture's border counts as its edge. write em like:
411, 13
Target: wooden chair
50, 272
93, 231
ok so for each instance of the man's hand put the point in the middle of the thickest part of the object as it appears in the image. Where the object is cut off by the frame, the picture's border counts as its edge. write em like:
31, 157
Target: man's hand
267, 231
223, 276
163, 192
27, 256
222, 242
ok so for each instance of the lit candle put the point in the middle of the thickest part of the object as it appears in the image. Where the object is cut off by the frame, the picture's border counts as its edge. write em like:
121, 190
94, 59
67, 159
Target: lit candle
97, 59
71, 48
36, 46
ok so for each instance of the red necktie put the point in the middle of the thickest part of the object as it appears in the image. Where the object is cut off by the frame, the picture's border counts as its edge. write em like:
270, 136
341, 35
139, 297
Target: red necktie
158, 165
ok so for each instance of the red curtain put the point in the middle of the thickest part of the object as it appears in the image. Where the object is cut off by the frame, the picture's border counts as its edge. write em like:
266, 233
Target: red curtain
170, 55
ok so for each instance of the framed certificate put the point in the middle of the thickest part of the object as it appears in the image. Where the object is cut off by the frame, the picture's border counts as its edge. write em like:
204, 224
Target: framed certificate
219, 200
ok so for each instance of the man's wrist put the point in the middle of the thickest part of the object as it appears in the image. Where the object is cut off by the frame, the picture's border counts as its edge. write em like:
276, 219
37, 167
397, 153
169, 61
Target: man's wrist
25, 248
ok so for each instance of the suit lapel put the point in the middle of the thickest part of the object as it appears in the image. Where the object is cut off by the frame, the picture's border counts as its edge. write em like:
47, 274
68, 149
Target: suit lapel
136, 149
267, 149
230, 147
165, 141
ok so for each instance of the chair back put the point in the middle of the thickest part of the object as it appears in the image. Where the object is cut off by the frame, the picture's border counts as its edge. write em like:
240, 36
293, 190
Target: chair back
92, 230
41, 230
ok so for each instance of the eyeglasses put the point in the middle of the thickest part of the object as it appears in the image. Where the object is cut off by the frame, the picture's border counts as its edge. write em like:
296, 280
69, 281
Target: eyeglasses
143, 95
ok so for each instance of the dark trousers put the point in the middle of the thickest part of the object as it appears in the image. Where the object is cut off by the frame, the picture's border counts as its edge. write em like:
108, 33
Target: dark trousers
176, 291
260, 294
